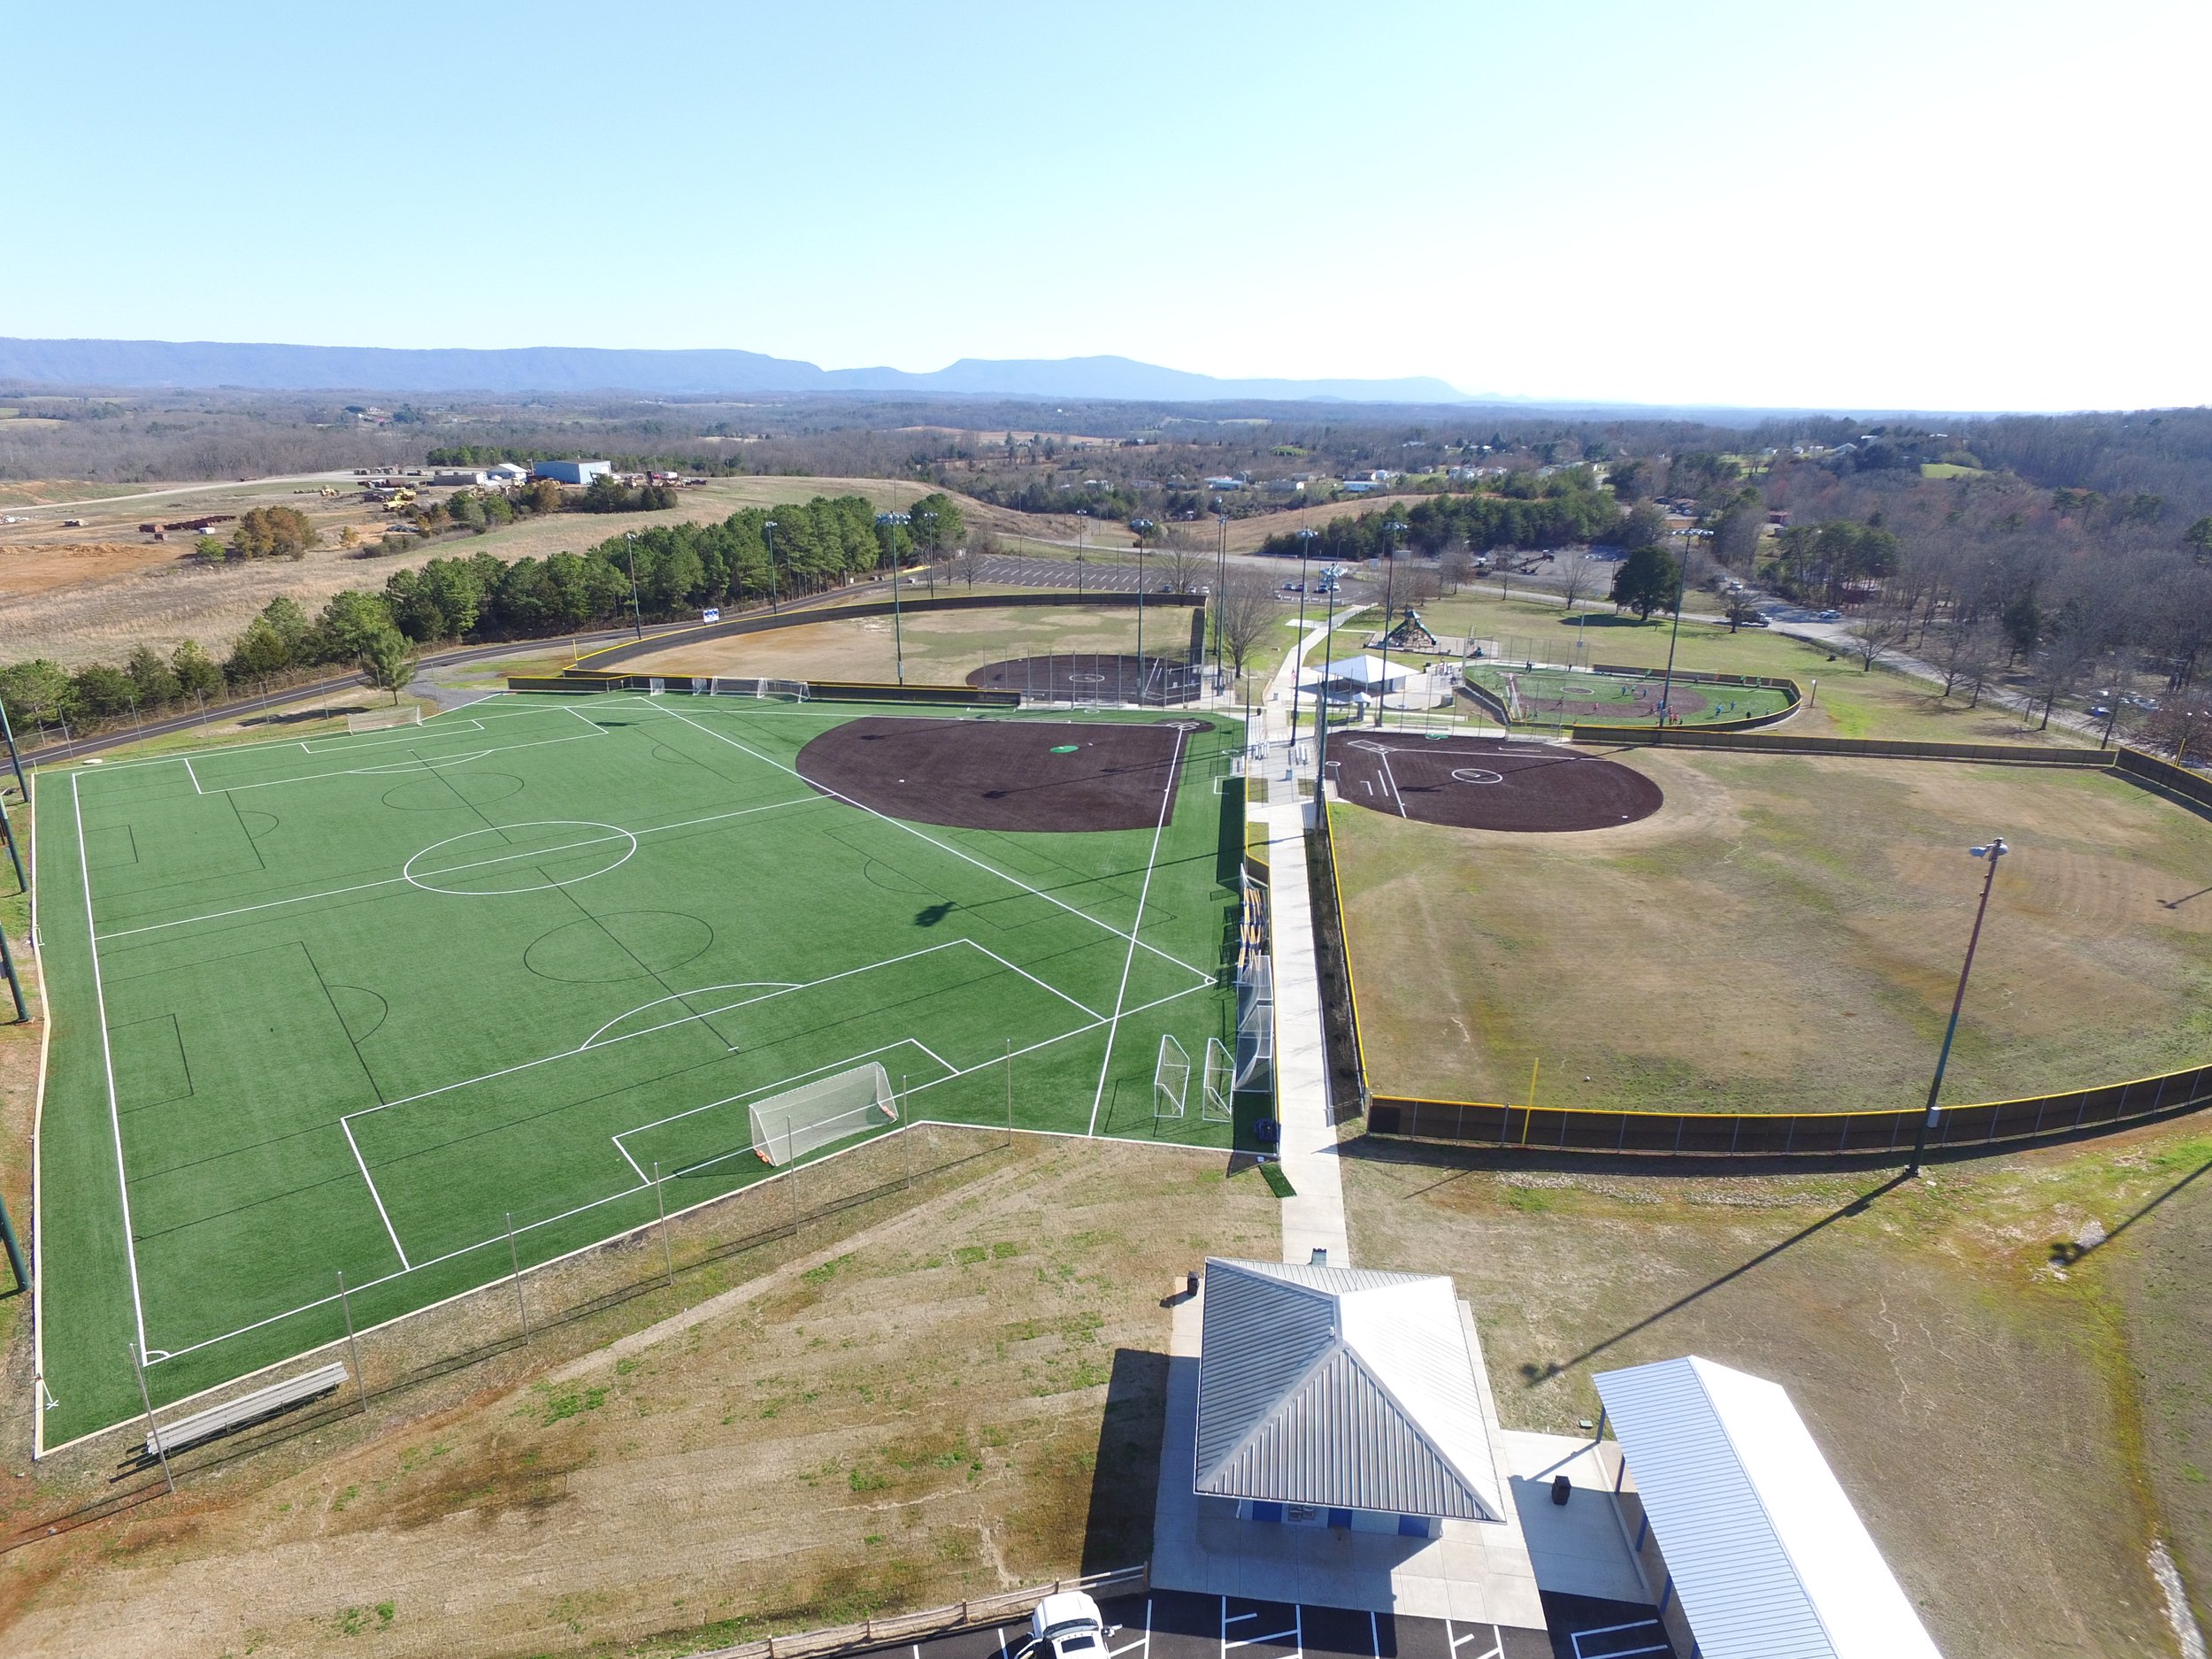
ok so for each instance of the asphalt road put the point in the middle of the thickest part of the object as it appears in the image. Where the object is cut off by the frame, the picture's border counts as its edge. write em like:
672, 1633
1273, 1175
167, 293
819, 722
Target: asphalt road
1179, 1624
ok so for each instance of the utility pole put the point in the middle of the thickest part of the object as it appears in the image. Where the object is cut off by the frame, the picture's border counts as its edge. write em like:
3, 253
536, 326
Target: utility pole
769, 527
1666, 686
1995, 850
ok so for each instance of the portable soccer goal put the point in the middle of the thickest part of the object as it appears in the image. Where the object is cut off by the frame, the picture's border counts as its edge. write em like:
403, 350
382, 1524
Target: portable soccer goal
384, 720
789, 1124
783, 690
1218, 1085
1170, 1080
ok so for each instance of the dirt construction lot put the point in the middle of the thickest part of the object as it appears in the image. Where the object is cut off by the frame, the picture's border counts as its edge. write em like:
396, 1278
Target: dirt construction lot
1784, 935
965, 1396
2016, 1435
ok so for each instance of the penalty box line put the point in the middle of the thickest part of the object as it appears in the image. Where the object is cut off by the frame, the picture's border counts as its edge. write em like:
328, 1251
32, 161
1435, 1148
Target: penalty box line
416, 764
115, 767
965, 857
331, 1300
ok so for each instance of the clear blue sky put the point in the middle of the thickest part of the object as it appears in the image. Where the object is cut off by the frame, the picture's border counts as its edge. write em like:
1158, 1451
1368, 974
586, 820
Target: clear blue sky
1953, 206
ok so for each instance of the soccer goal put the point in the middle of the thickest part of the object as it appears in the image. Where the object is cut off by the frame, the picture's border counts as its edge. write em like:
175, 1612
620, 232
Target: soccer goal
783, 690
384, 720
788, 1126
1170, 1080
1217, 1085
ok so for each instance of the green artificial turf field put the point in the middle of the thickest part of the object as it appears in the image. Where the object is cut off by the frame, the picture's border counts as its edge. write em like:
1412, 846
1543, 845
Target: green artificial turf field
357, 1000
1554, 697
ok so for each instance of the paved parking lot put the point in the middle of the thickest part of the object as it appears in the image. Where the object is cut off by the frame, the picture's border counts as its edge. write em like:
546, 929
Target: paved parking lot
1179, 1625
1014, 569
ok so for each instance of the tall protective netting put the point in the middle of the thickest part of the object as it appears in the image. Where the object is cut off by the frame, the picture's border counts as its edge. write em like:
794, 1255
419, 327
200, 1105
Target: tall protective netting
788, 1126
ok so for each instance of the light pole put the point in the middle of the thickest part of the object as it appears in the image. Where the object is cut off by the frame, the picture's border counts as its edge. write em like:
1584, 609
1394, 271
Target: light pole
1305, 547
891, 521
1321, 723
1995, 850
1221, 589
769, 526
1392, 531
932, 553
637, 618
1143, 528
1082, 515
1666, 686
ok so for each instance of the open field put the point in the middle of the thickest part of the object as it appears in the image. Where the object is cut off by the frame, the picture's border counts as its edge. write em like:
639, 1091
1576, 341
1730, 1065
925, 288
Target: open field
93, 593
1978, 1400
1542, 696
940, 647
1848, 702
362, 1003
961, 1394
1784, 935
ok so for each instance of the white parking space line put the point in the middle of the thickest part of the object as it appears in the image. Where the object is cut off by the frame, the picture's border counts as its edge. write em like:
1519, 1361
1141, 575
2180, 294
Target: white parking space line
1662, 1646
1496, 1650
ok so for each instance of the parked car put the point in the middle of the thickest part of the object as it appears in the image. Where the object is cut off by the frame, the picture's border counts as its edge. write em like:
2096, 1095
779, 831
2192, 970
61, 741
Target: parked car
1830, 616
1068, 1625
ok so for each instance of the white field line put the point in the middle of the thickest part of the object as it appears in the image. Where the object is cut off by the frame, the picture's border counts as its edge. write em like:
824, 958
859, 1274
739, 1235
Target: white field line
1391, 777
592, 1042
362, 1163
193, 775
766, 988
945, 847
1167, 800
674, 1214
419, 763
107, 1063
115, 766
386, 881
335, 744
38, 1159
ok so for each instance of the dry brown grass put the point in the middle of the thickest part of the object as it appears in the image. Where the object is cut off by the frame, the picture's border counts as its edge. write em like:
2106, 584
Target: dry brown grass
1978, 1407
1784, 935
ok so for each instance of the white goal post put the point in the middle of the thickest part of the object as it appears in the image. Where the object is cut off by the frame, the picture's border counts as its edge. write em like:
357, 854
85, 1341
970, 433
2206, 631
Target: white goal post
783, 690
1170, 1079
384, 720
1218, 1085
789, 1124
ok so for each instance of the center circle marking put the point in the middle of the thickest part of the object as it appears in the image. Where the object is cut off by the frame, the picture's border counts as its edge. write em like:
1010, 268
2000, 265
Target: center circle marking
485, 863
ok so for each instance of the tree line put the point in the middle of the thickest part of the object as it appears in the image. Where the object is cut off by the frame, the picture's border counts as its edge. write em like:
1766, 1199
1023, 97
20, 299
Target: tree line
1572, 512
756, 556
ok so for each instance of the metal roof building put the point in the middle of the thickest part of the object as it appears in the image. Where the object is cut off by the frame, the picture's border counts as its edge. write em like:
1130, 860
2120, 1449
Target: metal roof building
1759, 1544
1340, 1389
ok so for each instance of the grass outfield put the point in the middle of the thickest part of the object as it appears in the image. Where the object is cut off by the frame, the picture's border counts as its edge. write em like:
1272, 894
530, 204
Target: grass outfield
359, 1001
1550, 697
1847, 703
1784, 935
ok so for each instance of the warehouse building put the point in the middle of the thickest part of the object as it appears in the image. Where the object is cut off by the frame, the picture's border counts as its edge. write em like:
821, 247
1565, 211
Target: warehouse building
572, 472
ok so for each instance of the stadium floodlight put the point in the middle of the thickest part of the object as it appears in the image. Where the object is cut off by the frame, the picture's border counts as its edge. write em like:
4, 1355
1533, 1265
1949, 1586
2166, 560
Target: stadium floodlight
768, 527
1995, 850
793, 1122
637, 616
891, 521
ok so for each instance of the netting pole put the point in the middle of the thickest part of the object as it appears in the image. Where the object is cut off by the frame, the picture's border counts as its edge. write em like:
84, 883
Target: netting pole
153, 1433
353, 1346
7, 731
790, 1180
514, 1262
1009, 1091
668, 1254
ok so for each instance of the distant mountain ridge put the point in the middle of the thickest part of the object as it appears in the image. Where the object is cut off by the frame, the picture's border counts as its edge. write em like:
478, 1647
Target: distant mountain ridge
150, 364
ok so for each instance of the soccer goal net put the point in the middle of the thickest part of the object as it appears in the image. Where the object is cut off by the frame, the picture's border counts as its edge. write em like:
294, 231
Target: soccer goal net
783, 690
1218, 1085
384, 720
788, 1126
1170, 1080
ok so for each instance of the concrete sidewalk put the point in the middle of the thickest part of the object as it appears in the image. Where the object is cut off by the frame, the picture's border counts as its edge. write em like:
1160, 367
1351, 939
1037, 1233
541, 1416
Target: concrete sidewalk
1314, 1220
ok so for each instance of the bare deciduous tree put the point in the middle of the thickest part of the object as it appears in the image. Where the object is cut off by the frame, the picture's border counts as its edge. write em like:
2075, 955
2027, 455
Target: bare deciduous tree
1244, 614
2181, 725
1877, 629
1577, 574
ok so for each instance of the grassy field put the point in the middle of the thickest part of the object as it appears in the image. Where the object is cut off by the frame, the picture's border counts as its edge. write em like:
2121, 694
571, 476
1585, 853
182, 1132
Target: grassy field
940, 647
943, 1394
361, 1004
1784, 935
1846, 702
1540, 697
2015, 1423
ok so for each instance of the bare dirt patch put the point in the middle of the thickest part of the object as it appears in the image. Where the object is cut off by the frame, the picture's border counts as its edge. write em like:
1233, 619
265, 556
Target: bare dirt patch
963, 1396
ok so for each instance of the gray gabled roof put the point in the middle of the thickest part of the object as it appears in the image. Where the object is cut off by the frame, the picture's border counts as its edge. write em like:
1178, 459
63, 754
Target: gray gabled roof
1341, 1387
1765, 1550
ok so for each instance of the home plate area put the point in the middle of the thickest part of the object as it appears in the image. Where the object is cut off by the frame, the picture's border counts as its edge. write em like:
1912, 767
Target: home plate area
1476, 783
